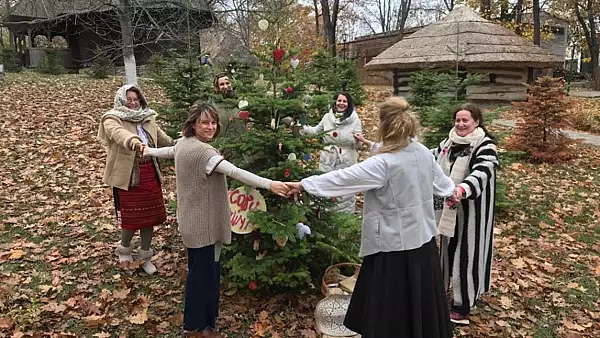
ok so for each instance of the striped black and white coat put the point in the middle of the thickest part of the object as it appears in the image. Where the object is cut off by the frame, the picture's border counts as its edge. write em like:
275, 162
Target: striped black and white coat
469, 256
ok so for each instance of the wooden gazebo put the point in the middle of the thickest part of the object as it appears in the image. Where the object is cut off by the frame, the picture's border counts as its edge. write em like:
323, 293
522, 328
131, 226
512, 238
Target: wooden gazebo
466, 41
89, 26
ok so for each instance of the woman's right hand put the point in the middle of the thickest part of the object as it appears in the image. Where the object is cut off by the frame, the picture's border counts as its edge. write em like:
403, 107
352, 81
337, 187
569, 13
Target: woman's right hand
279, 188
144, 150
359, 137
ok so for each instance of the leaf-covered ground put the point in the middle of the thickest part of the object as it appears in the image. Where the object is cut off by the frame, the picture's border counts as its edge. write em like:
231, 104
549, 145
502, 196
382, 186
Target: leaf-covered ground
59, 276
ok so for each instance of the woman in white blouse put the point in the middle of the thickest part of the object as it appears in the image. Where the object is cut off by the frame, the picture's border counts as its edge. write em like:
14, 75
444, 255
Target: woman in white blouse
399, 291
339, 126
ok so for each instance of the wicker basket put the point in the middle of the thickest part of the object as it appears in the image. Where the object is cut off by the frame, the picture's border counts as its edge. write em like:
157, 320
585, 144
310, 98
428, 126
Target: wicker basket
334, 276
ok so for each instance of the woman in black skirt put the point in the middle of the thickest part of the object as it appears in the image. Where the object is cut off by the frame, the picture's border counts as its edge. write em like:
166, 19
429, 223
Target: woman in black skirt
399, 292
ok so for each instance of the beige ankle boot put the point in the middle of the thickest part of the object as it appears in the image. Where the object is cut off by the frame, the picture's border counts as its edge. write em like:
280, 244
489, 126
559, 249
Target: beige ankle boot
145, 256
124, 253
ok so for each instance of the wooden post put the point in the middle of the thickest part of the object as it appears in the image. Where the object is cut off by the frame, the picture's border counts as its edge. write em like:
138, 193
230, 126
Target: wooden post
395, 81
29, 38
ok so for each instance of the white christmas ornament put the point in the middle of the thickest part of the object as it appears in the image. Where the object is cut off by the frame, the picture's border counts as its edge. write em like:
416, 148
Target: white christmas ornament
294, 63
292, 157
303, 230
263, 24
273, 125
242, 104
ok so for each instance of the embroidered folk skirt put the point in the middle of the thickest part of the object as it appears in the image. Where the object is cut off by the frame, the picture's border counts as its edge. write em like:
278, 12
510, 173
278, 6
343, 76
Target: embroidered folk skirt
141, 206
400, 294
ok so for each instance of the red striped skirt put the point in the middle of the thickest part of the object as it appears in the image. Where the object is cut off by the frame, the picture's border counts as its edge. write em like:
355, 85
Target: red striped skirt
141, 206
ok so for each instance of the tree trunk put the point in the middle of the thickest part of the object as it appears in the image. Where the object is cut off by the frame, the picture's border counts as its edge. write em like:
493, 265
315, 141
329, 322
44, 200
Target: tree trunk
519, 12
591, 39
449, 4
504, 10
316, 6
536, 23
402, 16
125, 14
486, 8
595, 51
329, 23
11, 38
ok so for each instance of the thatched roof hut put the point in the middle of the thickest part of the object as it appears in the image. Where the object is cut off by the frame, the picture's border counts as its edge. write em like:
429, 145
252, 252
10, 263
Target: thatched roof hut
464, 39
464, 36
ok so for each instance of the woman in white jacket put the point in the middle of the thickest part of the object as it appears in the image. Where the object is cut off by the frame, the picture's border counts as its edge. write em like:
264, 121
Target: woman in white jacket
340, 125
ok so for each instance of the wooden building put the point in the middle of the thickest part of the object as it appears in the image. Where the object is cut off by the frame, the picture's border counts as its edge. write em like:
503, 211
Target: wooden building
466, 41
90, 26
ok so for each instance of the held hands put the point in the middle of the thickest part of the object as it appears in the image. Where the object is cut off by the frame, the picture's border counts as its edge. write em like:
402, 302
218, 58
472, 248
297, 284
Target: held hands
295, 188
456, 196
280, 188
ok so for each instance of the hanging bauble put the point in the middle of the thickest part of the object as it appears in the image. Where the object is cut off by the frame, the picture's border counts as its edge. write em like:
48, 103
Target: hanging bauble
294, 61
289, 90
252, 286
244, 114
242, 104
303, 230
261, 255
278, 54
273, 125
281, 240
306, 157
263, 24
291, 157
287, 173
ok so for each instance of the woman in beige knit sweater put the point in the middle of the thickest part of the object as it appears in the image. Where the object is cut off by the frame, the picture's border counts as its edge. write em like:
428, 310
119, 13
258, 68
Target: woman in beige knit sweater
203, 212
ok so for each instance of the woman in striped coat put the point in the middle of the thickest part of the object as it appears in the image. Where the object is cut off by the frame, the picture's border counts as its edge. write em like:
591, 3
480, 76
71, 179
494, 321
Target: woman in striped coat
465, 223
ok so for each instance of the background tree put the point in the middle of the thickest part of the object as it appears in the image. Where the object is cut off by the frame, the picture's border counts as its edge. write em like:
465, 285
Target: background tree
541, 120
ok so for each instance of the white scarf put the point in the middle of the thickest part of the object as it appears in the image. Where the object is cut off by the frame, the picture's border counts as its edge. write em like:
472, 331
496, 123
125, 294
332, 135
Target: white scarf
123, 113
460, 170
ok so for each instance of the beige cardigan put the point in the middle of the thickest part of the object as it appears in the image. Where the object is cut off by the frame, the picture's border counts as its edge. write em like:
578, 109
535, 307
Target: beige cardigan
120, 158
203, 210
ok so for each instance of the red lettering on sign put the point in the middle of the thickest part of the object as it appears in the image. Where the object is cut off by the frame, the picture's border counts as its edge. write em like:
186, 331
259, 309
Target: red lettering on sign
243, 201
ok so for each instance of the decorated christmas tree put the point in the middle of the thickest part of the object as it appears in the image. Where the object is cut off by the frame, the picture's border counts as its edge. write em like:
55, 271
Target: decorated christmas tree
279, 243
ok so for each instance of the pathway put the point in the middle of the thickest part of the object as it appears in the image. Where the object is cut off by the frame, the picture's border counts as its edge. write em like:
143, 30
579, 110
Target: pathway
586, 137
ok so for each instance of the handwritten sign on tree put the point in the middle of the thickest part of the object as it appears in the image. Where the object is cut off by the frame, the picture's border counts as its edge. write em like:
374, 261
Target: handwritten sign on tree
241, 202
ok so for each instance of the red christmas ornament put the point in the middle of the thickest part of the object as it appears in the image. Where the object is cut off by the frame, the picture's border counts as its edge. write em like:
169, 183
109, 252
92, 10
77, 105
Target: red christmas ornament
287, 173
333, 199
289, 89
278, 54
252, 286
335, 134
244, 114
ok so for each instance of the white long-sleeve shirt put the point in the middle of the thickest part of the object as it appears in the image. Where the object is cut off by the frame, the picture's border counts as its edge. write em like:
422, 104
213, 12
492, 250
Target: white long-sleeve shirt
398, 211
220, 165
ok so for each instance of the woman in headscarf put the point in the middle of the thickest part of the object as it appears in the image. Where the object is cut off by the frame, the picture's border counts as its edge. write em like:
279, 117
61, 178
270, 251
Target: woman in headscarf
340, 125
136, 181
